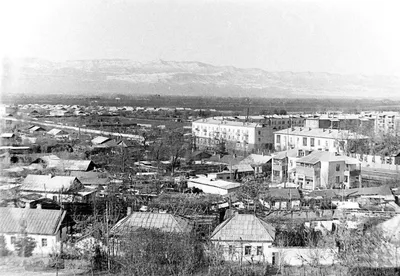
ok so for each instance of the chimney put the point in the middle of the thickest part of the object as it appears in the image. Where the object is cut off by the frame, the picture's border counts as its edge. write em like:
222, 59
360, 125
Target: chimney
39, 206
129, 211
27, 206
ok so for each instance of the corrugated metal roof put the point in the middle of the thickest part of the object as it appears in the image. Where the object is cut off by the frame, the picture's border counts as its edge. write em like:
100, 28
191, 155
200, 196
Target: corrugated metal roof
46, 183
163, 222
38, 221
245, 227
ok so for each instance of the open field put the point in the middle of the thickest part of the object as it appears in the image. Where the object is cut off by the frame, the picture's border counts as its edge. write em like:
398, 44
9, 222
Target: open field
255, 105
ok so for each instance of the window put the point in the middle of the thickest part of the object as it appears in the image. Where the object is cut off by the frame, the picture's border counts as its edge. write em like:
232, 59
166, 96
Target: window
312, 142
337, 167
259, 132
346, 178
231, 249
44, 242
259, 250
319, 142
278, 139
304, 141
55, 198
13, 239
337, 179
247, 250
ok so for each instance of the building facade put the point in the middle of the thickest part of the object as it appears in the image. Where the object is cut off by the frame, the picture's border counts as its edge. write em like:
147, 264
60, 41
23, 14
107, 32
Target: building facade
332, 140
326, 170
245, 134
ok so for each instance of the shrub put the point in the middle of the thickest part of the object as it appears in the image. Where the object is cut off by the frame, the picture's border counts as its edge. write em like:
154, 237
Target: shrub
3, 248
25, 246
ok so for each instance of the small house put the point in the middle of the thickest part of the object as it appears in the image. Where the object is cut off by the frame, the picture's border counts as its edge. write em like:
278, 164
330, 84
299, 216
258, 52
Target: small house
48, 228
244, 237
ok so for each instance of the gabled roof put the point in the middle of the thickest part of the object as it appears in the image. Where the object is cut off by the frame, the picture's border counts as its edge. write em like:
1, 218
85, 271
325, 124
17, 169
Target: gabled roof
283, 194
256, 159
56, 131
286, 153
46, 183
71, 165
100, 140
245, 227
126, 143
38, 221
7, 135
163, 222
36, 128
227, 159
241, 168
92, 178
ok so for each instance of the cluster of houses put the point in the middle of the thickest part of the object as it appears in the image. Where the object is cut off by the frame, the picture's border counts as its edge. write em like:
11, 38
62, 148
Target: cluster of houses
307, 177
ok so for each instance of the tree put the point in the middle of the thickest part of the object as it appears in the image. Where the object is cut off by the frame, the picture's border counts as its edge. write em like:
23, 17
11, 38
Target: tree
152, 252
3, 248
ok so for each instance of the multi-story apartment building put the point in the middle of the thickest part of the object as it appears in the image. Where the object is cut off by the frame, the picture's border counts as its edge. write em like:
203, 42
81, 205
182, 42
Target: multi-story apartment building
332, 140
353, 122
284, 164
322, 170
385, 122
241, 133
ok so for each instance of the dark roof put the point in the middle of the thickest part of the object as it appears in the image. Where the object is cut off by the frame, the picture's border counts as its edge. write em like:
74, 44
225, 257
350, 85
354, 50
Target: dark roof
246, 227
163, 222
283, 194
38, 221
383, 190
227, 159
92, 177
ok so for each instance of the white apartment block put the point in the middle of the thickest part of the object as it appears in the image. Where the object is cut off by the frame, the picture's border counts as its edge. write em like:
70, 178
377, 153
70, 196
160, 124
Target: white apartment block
332, 140
326, 170
241, 133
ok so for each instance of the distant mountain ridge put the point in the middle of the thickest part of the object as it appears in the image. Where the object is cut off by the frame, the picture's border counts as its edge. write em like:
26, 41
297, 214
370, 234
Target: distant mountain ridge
192, 78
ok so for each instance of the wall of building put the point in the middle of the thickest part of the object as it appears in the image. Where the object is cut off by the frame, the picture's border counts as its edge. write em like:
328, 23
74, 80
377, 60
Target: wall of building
238, 251
53, 243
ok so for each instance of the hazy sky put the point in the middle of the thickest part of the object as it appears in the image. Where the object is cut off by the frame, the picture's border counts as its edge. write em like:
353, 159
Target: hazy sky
333, 36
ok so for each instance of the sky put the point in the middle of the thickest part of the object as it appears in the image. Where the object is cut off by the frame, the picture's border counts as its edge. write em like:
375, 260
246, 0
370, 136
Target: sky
347, 37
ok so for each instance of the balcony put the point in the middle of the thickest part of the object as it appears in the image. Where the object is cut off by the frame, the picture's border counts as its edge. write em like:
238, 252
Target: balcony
355, 172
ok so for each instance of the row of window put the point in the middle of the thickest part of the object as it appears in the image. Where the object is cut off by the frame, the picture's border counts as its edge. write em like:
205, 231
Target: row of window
247, 250
305, 141
14, 240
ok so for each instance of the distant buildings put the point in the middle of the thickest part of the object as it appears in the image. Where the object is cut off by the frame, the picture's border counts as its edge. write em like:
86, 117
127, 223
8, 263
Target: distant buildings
240, 133
332, 140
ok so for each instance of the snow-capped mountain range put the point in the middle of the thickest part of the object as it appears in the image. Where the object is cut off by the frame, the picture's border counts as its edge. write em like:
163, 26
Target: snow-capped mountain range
191, 78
